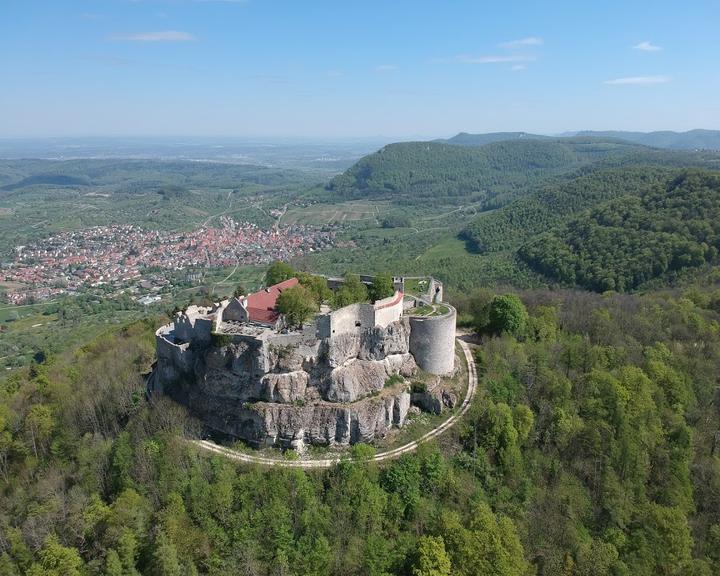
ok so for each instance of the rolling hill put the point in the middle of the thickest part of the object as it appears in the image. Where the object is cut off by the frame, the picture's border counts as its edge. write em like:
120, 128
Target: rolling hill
139, 175
634, 239
512, 225
418, 172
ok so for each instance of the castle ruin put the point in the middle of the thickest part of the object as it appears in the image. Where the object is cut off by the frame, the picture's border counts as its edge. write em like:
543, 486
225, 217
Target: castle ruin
338, 380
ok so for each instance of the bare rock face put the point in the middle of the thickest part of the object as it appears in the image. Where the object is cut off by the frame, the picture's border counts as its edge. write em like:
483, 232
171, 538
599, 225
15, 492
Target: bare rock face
218, 358
285, 359
245, 359
403, 364
401, 405
289, 393
428, 402
379, 342
342, 348
435, 400
287, 387
449, 399
356, 380
273, 424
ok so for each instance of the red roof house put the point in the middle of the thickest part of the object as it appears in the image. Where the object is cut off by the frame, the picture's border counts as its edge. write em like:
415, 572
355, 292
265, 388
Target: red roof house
262, 306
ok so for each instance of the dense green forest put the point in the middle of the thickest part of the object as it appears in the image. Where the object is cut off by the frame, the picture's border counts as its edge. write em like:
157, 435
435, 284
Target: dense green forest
588, 451
416, 172
554, 204
631, 240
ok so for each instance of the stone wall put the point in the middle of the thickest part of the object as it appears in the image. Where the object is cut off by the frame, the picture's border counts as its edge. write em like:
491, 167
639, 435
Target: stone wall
351, 318
435, 291
362, 316
174, 360
432, 342
235, 311
388, 310
194, 324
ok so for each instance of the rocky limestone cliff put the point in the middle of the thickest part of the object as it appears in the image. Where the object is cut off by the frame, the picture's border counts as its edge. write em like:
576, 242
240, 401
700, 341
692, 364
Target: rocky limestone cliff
435, 398
272, 424
358, 378
374, 344
321, 392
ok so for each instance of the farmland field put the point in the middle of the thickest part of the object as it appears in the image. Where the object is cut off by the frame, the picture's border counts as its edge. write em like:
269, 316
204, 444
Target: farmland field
345, 212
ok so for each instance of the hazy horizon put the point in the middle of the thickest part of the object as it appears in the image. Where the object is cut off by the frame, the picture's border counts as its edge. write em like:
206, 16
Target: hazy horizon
271, 139
326, 70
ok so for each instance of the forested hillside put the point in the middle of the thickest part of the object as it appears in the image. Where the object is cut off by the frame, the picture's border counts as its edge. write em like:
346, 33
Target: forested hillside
511, 225
417, 172
489, 176
589, 451
633, 239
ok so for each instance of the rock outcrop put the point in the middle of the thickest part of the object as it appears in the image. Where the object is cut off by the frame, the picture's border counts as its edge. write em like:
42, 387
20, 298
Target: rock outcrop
328, 392
434, 399
374, 344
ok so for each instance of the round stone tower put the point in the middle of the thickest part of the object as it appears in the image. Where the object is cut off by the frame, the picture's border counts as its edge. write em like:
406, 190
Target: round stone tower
432, 341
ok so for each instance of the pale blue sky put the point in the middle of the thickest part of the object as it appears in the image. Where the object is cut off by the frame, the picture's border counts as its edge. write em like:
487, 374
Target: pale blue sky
345, 68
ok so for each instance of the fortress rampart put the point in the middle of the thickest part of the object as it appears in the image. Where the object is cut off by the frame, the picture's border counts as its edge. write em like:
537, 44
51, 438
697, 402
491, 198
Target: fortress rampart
361, 316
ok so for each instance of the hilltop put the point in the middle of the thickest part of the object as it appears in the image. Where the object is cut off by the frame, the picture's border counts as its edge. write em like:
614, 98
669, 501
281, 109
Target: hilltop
414, 172
463, 212
466, 139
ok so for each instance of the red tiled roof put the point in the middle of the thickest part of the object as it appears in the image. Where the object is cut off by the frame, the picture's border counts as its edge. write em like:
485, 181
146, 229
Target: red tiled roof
262, 306
398, 296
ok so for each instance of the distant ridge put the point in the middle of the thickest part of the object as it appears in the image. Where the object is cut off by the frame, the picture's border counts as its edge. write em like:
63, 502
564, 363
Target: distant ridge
691, 140
466, 139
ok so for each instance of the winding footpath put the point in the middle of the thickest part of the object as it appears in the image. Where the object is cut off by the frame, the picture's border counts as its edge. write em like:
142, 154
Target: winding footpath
380, 457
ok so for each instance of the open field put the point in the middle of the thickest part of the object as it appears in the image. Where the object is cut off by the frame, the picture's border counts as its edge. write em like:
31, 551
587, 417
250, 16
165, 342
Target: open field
446, 247
345, 212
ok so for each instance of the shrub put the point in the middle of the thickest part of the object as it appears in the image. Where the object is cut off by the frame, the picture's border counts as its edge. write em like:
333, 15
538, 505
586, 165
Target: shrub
507, 314
394, 379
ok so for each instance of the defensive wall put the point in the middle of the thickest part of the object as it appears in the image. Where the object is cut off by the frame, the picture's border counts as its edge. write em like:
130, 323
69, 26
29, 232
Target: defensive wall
194, 324
362, 316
